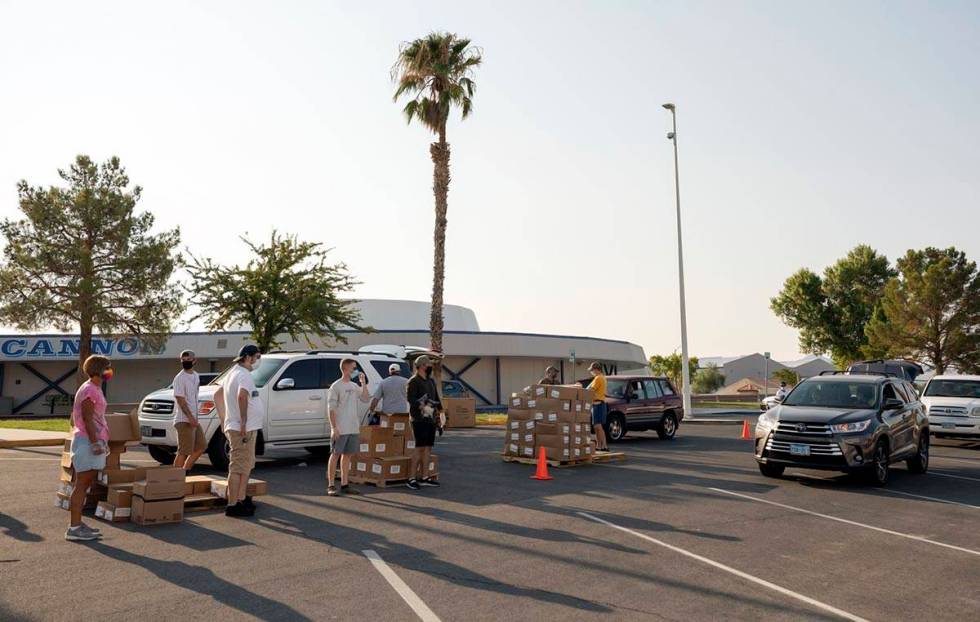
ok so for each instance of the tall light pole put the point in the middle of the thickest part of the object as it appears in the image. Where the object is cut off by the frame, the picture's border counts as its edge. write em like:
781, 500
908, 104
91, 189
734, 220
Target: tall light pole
685, 365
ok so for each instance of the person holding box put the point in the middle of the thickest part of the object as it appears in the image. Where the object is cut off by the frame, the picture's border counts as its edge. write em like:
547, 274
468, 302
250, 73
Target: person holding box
242, 416
89, 443
392, 393
424, 407
599, 406
190, 437
345, 422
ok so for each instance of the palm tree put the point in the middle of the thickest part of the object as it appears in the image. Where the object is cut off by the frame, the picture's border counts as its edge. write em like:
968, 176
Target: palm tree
436, 72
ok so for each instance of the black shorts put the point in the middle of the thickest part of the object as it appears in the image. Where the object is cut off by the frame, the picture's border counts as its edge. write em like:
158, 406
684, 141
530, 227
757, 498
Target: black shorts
425, 432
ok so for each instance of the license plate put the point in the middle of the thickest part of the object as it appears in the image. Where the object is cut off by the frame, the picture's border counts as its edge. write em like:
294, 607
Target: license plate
949, 426
146, 430
799, 450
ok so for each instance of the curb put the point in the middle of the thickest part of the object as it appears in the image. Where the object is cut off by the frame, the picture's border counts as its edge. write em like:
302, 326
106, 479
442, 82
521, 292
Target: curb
709, 421
31, 442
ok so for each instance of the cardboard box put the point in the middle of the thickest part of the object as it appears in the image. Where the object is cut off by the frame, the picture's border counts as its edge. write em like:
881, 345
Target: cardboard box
66, 460
527, 438
161, 483
123, 426
201, 484
361, 465
433, 464
66, 475
562, 392
68, 444
95, 490
390, 468
586, 395
157, 512
528, 426
526, 451
584, 417
547, 428
108, 477
552, 405
120, 495
566, 418
109, 512
63, 501
519, 414
517, 401
460, 412
254, 488
398, 423
513, 436
512, 449
378, 442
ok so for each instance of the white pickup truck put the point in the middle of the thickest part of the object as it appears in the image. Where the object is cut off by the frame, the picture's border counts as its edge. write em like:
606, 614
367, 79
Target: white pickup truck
292, 386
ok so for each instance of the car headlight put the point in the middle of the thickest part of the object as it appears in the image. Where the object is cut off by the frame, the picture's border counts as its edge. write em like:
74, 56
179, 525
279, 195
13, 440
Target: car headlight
766, 420
854, 426
976, 412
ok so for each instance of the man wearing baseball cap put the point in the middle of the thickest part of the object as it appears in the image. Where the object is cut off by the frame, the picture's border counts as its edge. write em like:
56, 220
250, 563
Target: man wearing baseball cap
424, 407
391, 393
242, 416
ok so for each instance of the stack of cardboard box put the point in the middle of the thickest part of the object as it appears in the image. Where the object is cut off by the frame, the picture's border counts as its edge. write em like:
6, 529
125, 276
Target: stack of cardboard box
385, 452
555, 417
122, 429
159, 497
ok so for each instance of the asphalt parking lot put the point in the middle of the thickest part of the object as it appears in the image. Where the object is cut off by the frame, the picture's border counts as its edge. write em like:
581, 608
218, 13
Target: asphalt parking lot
682, 530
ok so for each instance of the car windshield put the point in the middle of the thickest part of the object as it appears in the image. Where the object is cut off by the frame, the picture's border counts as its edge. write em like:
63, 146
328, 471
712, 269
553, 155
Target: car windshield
261, 374
616, 388
953, 388
834, 394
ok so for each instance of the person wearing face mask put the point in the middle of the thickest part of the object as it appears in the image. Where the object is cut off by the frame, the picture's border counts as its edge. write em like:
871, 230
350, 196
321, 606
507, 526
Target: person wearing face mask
190, 437
242, 416
423, 407
89, 443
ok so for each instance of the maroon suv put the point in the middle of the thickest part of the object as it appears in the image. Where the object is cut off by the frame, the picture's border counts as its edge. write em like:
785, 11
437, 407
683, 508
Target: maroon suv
642, 403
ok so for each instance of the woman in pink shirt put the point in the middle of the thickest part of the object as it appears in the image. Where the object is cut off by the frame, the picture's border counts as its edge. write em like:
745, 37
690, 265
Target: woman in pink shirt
89, 443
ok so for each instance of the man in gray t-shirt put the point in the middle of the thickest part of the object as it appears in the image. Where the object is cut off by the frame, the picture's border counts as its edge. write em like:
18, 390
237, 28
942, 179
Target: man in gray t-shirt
391, 392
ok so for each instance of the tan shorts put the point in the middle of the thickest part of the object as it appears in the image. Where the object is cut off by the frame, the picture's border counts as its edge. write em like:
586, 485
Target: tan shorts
190, 440
241, 455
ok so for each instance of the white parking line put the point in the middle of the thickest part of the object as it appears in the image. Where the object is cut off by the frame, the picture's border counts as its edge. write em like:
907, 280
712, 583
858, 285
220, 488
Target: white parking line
729, 569
848, 522
935, 472
411, 598
936, 499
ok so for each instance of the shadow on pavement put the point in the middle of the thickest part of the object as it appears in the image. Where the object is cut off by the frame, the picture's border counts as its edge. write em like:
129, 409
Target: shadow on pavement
201, 580
191, 535
17, 530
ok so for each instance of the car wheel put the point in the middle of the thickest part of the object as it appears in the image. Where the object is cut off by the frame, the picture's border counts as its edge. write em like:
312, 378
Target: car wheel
218, 450
668, 427
615, 427
877, 473
161, 454
920, 462
771, 470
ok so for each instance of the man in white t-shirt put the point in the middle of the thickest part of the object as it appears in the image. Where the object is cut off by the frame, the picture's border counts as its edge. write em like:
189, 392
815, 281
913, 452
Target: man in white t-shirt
190, 436
242, 415
343, 409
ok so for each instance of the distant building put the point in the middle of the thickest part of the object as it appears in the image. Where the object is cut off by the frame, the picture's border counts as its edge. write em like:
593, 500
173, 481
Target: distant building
748, 386
736, 368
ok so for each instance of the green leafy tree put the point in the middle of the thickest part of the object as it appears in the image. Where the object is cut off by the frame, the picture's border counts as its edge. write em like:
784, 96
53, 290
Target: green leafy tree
707, 379
287, 288
831, 312
82, 257
931, 311
788, 376
671, 366
436, 73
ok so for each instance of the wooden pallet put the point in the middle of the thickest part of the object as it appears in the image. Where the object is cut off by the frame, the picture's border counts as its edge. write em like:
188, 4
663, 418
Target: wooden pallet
203, 502
383, 483
602, 457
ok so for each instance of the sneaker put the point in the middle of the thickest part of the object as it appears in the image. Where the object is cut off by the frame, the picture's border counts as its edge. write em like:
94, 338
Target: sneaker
332, 491
237, 511
347, 490
249, 503
78, 534
94, 530
413, 484
430, 482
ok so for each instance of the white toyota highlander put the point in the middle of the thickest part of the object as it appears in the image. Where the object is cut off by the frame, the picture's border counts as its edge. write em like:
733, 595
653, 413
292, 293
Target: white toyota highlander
953, 405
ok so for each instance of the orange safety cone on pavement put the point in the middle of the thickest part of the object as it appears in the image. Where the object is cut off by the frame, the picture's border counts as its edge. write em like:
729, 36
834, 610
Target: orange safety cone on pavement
746, 432
542, 472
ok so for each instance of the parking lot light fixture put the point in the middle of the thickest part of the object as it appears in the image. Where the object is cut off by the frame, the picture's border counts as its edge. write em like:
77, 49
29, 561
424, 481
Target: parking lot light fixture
685, 366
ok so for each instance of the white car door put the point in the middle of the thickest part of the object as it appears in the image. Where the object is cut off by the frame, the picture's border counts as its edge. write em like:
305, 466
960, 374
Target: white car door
297, 402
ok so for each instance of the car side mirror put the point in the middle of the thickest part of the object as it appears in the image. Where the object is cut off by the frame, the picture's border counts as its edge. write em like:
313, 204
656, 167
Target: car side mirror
285, 383
893, 404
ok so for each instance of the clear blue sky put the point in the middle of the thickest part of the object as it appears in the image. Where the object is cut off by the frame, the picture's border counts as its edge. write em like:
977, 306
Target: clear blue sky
805, 128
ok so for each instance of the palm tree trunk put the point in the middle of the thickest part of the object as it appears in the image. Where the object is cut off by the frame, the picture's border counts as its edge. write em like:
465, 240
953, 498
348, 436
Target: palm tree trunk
440, 188
84, 348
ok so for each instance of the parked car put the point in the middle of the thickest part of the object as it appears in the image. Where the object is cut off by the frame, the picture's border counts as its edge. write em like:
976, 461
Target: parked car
292, 386
907, 370
856, 423
953, 405
642, 403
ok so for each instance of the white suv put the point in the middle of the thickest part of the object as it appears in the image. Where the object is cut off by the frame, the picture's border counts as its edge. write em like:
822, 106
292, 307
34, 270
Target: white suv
953, 405
292, 386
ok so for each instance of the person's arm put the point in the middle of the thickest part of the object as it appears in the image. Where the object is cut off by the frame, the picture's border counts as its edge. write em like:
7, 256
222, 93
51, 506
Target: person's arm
219, 403
333, 403
243, 395
414, 392
88, 419
364, 396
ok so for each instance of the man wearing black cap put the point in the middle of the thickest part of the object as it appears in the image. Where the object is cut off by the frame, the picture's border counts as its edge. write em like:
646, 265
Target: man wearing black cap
424, 407
550, 375
242, 416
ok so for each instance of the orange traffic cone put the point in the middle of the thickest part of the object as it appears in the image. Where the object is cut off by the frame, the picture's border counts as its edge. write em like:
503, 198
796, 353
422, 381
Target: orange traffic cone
542, 472
746, 432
